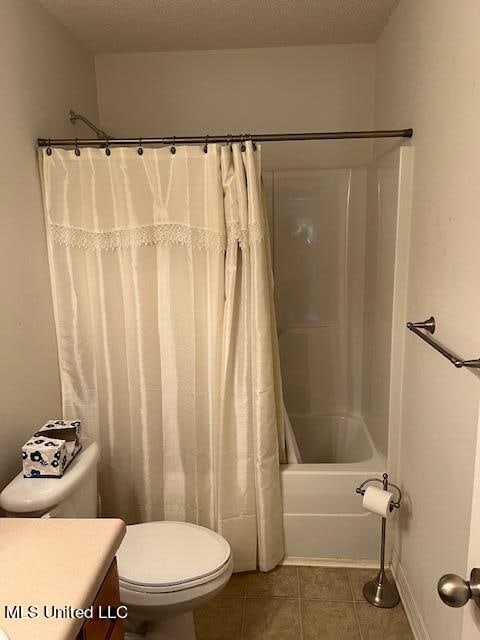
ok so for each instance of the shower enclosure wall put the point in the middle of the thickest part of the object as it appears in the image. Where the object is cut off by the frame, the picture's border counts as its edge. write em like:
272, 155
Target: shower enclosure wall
337, 280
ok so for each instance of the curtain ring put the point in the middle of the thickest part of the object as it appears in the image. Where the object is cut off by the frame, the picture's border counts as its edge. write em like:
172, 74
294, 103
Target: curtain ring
49, 148
173, 148
229, 141
242, 142
205, 146
77, 150
254, 146
140, 148
107, 148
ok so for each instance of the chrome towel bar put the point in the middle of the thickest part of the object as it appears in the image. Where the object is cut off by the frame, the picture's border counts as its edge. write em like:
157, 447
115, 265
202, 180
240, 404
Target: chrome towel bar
426, 329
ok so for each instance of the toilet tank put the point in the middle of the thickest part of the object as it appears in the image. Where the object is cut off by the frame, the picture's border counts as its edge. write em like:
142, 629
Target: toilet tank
74, 495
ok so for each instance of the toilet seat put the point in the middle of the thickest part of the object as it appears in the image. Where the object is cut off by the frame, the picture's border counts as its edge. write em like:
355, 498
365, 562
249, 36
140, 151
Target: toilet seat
165, 557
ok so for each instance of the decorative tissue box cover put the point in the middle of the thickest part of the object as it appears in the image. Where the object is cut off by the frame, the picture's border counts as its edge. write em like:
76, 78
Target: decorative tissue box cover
49, 452
46, 457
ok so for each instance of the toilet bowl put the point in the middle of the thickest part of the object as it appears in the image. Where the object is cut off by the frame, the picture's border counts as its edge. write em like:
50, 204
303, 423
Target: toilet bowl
166, 569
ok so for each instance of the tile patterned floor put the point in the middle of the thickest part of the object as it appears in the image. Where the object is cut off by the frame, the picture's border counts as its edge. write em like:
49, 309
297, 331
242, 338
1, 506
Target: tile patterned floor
299, 603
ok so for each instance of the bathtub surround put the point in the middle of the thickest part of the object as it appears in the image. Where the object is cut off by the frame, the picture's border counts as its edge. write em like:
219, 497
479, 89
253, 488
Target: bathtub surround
44, 71
168, 350
336, 297
318, 219
387, 242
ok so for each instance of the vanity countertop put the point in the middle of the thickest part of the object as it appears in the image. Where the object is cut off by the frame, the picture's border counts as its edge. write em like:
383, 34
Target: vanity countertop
53, 562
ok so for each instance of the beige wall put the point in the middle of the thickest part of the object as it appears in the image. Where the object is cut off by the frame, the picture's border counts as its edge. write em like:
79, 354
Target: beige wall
249, 90
428, 77
43, 72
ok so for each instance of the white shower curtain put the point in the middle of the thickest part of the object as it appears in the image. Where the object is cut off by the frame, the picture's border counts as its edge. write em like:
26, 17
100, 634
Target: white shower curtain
168, 352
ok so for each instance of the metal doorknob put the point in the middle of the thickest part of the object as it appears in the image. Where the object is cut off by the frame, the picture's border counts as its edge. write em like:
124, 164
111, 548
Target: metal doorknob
456, 592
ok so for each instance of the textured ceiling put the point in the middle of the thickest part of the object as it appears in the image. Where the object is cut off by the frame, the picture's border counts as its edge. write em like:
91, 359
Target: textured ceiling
174, 25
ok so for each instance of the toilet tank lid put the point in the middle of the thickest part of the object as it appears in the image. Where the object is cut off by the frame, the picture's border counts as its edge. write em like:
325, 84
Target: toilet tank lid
25, 495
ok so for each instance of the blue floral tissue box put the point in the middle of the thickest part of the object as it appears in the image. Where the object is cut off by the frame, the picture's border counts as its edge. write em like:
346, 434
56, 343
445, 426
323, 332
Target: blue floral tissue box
49, 452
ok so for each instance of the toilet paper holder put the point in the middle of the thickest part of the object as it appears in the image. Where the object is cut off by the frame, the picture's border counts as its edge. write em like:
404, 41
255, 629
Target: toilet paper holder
380, 591
386, 485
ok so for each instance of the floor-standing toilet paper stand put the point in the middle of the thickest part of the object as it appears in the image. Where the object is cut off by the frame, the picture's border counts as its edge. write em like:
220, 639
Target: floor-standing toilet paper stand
380, 591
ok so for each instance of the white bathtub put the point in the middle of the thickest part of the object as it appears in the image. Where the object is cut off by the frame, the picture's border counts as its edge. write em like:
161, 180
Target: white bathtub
323, 516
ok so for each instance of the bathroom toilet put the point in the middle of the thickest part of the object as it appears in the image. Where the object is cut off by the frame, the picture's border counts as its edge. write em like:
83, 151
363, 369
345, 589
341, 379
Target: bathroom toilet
166, 569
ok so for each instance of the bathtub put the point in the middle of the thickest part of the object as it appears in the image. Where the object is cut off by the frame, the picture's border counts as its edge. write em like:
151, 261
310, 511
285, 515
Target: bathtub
323, 516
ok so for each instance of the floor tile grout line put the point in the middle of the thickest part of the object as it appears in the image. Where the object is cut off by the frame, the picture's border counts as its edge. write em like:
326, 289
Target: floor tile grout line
357, 618
244, 610
290, 597
271, 596
299, 604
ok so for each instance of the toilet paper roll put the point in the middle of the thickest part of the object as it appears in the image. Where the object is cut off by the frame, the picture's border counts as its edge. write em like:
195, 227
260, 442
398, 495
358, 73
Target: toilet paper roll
377, 501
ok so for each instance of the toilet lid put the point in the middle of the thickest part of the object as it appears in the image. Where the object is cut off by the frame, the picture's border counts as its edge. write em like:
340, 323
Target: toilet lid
168, 556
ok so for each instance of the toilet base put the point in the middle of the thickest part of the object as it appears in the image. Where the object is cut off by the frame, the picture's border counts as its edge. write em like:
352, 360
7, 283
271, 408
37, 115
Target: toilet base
168, 615
179, 627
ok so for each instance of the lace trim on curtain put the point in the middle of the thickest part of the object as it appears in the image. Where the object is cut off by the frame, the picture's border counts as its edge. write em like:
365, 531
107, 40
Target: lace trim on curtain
166, 233
245, 237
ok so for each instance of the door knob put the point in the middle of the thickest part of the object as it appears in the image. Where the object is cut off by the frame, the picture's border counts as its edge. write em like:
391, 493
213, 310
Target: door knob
456, 592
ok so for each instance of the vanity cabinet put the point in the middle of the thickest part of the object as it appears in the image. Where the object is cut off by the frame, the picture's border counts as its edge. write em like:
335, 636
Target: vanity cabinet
107, 596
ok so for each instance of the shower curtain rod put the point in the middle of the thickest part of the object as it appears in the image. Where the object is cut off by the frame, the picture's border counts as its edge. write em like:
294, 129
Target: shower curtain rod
202, 140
